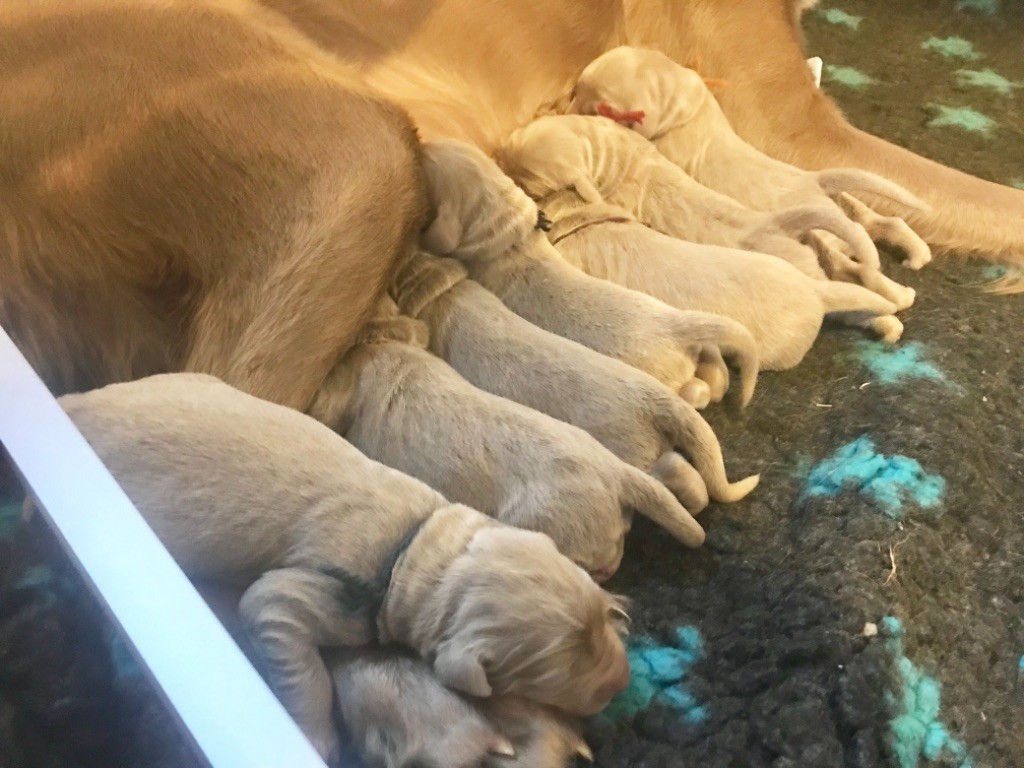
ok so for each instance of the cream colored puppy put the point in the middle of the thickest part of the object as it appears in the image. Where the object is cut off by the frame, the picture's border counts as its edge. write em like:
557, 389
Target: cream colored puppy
608, 163
782, 307
336, 549
674, 108
632, 414
485, 221
396, 713
408, 409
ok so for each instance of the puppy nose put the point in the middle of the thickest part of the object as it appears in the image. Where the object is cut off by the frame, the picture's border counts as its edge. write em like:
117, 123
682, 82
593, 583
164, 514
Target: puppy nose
601, 575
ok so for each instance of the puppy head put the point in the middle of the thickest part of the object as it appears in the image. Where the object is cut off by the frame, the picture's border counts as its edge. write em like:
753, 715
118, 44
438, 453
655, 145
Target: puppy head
521, 619
478, 209
639, 88
398, 714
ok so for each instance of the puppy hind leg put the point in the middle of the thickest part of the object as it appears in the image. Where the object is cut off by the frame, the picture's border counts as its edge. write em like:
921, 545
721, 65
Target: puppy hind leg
839, 266
685, 482
887, 229
289, 614
711, 368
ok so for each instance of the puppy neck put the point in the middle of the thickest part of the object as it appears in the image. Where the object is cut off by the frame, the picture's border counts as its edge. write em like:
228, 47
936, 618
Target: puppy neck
570, 214
423, 279
410, 612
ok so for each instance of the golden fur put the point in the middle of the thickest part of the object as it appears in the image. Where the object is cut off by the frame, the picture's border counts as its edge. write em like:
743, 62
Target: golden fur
523, 55
206, 185
205, 190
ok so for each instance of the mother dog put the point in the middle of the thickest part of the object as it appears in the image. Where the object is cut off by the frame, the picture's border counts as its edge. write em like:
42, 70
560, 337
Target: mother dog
207, 185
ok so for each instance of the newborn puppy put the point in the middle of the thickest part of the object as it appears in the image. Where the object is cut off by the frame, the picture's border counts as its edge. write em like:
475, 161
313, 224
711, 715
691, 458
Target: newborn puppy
673, 107
408, 409
607, 163
633, 415
396, 713
336, 549
782, 307
489, 224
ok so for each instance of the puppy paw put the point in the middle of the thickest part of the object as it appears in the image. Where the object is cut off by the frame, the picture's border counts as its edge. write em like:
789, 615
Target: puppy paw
697, 393
888, 327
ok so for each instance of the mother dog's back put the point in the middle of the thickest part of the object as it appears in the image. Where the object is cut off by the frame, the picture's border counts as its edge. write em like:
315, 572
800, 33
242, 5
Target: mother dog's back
169, 174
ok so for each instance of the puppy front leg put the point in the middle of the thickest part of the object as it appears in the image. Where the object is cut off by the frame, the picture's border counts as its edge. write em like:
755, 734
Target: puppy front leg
289, 614
887, 229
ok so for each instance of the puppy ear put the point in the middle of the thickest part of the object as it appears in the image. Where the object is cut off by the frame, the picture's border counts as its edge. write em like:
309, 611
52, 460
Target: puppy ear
444, 233
460, 668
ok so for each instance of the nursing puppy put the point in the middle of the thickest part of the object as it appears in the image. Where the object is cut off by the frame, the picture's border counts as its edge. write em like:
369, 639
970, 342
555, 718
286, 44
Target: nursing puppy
633, 415
673, 107
485, 221
607, 163
396, 713
408, 409
782, 307
335, 549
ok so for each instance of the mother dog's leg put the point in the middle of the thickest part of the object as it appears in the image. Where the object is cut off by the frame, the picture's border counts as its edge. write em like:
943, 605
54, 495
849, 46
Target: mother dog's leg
224, 199
278, 332
773, 104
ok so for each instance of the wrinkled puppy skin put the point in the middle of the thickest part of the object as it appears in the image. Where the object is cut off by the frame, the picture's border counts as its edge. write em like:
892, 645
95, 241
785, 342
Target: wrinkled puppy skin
683, 120
629, 412
783, 308
412, 411
345, 551
485, 221
608, 163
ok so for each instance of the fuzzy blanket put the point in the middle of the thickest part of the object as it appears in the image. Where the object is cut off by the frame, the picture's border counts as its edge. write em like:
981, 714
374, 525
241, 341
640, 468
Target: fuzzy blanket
863, 608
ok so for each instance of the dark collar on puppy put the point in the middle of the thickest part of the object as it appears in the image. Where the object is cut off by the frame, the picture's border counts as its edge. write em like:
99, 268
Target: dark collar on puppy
356, 594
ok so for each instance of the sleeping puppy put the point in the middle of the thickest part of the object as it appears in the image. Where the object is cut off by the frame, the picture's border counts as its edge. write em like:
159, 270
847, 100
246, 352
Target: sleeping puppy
608, 163
408, 409
633, 415
335, 549
485, 221
396, 713
673, 107
782, 307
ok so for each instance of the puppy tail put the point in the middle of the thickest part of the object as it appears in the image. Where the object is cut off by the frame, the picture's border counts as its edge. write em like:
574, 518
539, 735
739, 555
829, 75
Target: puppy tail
833, 181
847, 297
739, 347
798, 222
689, 434
654, 501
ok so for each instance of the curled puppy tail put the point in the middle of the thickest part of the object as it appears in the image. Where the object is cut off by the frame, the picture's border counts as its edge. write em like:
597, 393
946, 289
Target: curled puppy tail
798, 222
688, 432
654, 501
738, 346
834, 181
847, 297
